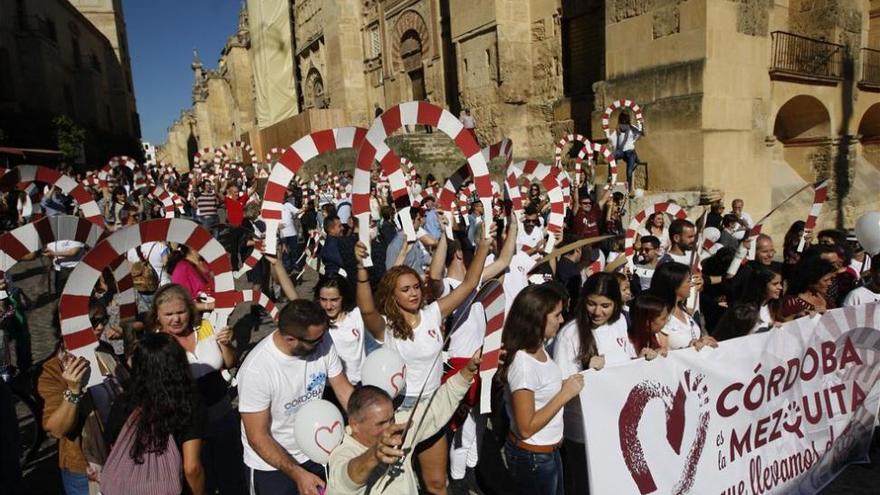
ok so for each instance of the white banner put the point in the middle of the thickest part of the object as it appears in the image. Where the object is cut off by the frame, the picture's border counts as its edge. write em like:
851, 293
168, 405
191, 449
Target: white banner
778, 412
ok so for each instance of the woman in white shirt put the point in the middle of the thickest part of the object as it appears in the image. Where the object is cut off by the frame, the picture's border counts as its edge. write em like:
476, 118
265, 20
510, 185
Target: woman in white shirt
656, 226
596, 336
415, 331
535, 391
174, 312
672, 282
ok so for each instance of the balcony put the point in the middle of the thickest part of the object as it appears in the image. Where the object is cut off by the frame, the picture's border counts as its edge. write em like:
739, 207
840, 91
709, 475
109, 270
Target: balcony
870, 76
801, 59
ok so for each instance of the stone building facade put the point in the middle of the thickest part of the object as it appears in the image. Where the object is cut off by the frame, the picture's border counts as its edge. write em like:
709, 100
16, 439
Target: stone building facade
61, 57
734, 92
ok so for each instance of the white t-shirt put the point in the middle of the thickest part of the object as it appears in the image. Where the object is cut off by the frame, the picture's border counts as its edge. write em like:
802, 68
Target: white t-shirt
680, 333
684, 259
612, 341
530, 240
420, 352
288, 214
544, 379
517, 277
60, 262
348, 338
154, 253
343, 210
860, 267
270, 379
861, 295
207, 356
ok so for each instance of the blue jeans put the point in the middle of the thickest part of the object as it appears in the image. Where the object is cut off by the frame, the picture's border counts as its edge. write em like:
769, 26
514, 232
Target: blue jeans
277, 483
74, 483
210, 222
632, 161
538, 474
292, 254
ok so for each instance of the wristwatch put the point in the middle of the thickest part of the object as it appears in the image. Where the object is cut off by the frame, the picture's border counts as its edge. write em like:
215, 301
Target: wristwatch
72, 397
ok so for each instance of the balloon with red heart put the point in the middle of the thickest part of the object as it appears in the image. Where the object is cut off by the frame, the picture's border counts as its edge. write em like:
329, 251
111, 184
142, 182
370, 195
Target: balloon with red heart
318, 428
384, 368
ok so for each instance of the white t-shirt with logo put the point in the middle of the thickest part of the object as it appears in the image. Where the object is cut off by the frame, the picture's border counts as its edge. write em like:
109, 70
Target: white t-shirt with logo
348, 338
544, 379
531, 240
612, 342
679, 333
420, 352
270, 379
60, 262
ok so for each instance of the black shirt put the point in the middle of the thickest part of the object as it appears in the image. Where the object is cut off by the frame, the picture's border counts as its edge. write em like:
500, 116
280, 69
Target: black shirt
123, 407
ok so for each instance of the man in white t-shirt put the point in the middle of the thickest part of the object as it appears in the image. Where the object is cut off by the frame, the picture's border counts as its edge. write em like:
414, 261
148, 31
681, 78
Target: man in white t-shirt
531, 239
682, 241
745, 220
288, 233
870, 292
285, 371
65, 255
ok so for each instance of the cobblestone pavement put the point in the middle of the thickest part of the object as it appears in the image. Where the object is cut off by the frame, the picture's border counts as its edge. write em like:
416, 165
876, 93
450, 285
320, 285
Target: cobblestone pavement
41, 474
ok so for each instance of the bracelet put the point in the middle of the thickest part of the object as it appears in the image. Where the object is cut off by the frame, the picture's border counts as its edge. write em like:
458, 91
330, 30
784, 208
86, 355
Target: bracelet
72, 397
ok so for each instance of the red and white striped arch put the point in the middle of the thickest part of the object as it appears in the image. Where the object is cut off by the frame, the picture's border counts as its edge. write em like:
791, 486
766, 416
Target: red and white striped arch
289, 164
67, 184
233, 299
203, 156
639, 218
227, 149
73, 306
616, 105
375, 149
586, 152
548, 178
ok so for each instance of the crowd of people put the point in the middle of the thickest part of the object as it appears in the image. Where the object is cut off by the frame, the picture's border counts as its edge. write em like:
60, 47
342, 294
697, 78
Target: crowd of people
186, 408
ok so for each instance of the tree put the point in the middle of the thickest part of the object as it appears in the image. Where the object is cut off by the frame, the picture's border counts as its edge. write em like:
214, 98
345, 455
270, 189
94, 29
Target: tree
70, 137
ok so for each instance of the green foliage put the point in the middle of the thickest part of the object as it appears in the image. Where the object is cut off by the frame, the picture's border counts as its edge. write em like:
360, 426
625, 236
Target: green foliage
70, 136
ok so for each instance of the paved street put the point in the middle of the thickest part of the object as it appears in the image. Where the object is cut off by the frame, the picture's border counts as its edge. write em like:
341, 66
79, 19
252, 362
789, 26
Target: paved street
41, 475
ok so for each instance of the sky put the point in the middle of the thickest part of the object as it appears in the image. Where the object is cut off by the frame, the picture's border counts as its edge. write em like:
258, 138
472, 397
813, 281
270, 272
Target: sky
161, 37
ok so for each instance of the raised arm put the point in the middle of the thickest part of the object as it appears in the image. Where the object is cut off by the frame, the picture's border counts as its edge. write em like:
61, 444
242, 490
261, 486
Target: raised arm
372, 319
471, 279
504, 256
438, 263
283, 278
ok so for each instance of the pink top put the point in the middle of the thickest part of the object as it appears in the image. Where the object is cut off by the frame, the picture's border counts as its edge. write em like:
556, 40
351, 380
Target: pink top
187, 275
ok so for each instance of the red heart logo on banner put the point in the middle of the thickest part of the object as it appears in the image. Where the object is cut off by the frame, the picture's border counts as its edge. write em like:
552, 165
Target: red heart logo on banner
631, 415
326, 433
398, 380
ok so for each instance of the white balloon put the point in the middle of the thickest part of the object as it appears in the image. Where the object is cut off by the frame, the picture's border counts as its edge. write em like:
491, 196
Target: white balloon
868, 232
318, 428
385, 369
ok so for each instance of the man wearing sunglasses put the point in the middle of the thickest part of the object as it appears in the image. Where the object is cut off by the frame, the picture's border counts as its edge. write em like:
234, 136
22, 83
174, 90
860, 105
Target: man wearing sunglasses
285, 371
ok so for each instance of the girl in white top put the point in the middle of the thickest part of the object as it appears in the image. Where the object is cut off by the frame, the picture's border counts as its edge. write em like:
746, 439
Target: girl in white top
656, 226
535, 391
346, 325
672, 282
597, 335
208, 352
415, 331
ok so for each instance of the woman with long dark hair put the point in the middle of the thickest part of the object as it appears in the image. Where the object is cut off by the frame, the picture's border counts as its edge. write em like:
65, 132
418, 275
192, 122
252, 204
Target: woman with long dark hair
161, 401
790, 255
808, 289
648, 315
672, 282
535, 391
763, 289
404, 322
597, 335
208, 353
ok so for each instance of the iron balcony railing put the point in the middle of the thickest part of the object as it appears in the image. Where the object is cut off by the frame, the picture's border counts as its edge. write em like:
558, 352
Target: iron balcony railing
870, 67
799, 57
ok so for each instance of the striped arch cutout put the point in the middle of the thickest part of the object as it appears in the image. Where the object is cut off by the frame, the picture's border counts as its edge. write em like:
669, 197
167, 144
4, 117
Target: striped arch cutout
616, 105
374, 148
73, 306
548, 178
68, 186
226, 150
289, 164
639, 218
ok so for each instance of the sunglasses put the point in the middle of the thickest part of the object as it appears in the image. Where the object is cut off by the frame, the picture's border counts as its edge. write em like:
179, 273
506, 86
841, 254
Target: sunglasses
530, 222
